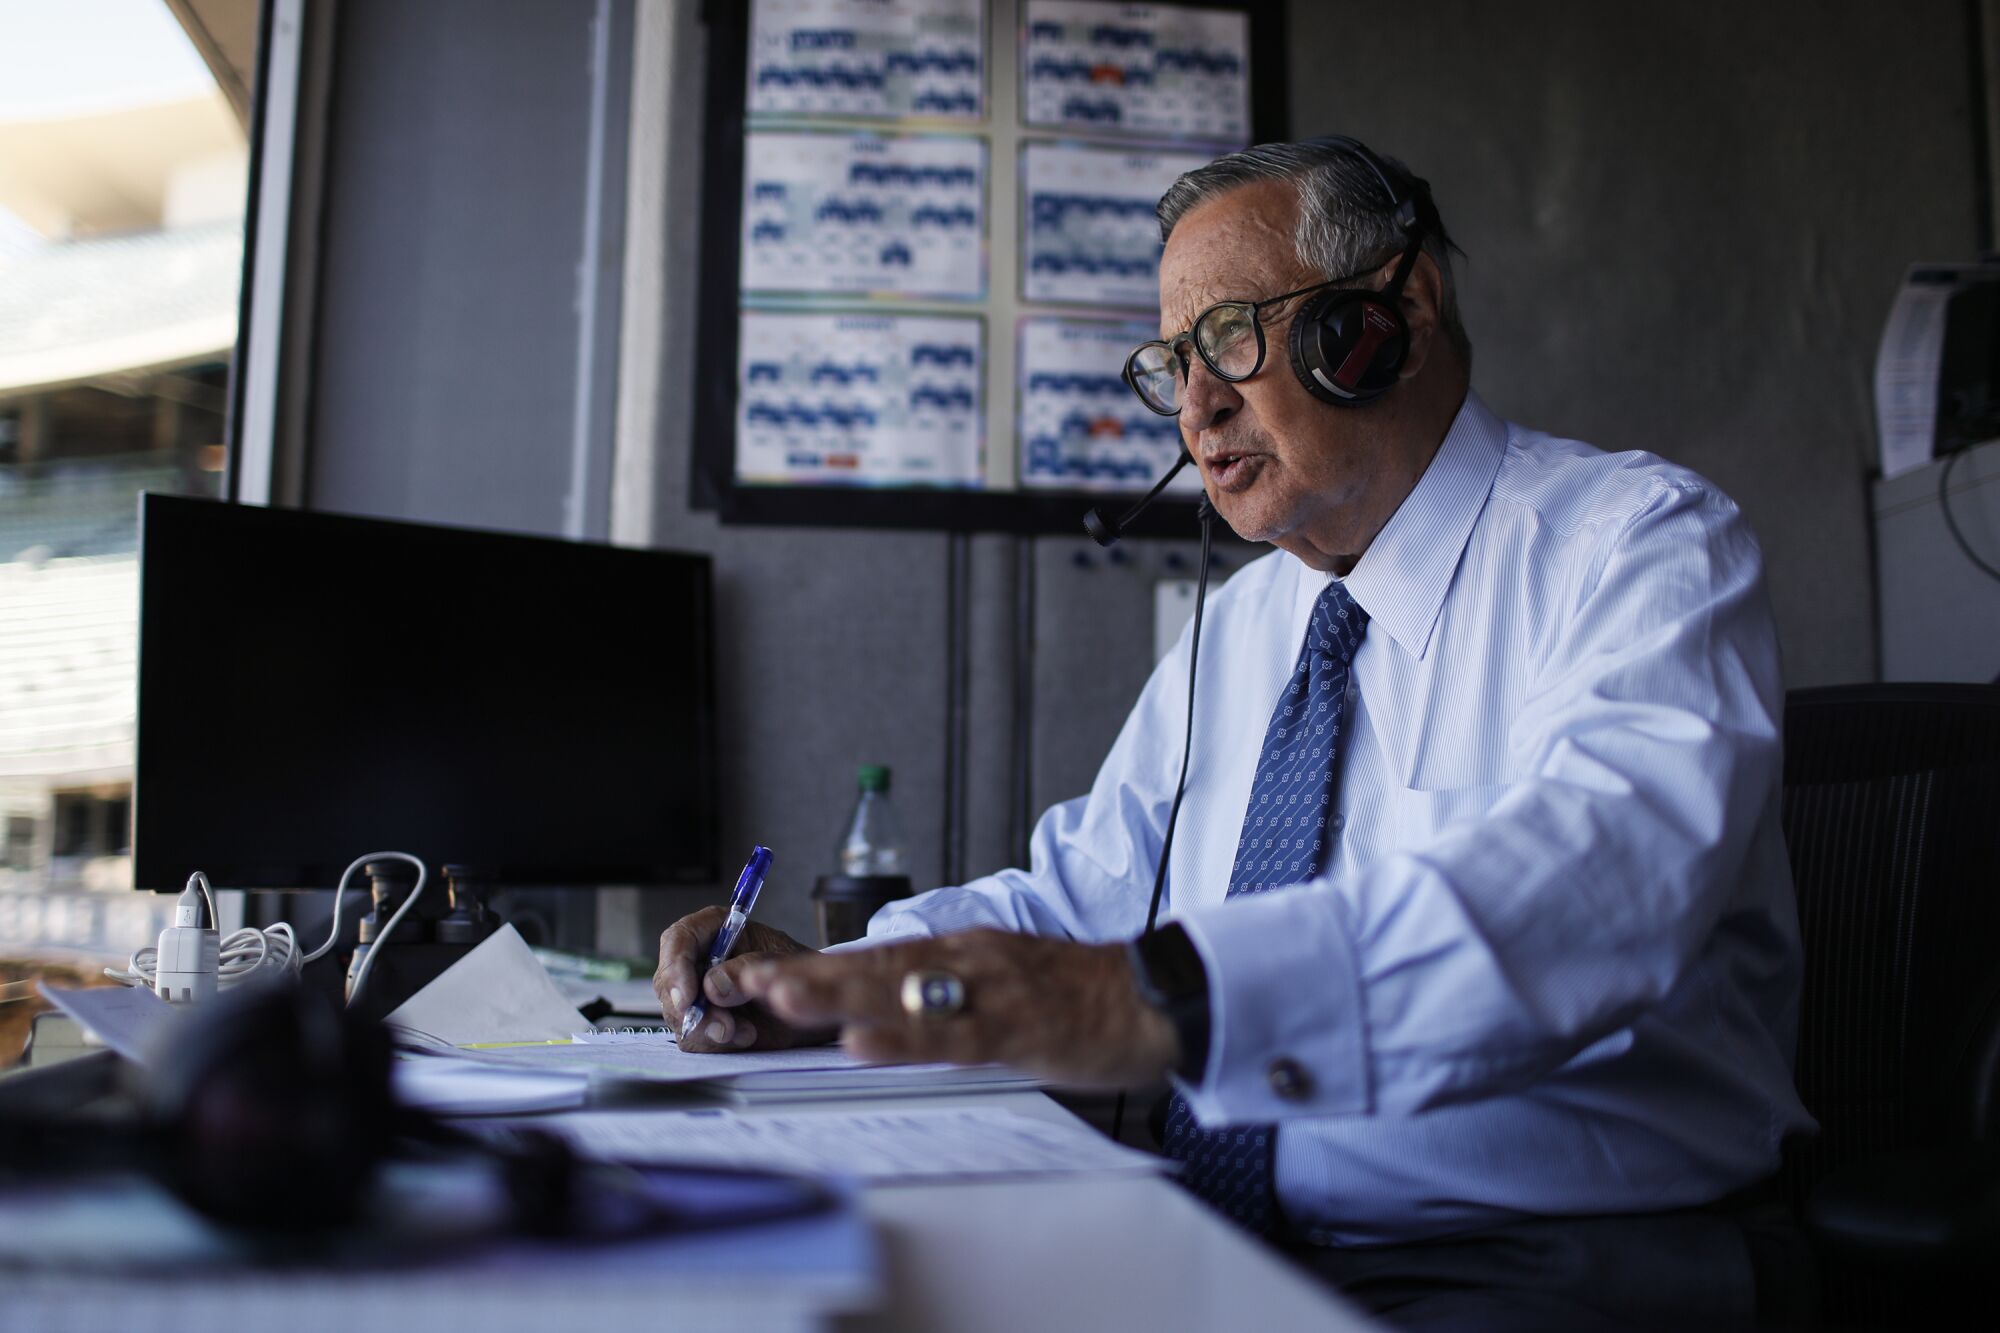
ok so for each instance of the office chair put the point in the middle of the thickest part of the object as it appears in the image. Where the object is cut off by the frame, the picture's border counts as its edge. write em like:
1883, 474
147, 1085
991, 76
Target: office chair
1892, 820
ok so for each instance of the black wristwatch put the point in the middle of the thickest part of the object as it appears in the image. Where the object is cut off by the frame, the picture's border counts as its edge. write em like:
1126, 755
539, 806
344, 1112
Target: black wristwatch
1171, 978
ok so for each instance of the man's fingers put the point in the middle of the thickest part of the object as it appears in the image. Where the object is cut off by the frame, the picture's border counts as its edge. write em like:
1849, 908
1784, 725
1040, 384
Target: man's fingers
716, 1033
719, 1026
723, 983
957, 1041
826, 989
683, 946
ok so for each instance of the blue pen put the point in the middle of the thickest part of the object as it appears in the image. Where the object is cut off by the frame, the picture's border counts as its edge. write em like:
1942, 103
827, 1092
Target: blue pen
740, 903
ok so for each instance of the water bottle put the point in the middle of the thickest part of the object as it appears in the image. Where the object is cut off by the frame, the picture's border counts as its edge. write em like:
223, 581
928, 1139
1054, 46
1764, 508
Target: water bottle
873, 844
872, 865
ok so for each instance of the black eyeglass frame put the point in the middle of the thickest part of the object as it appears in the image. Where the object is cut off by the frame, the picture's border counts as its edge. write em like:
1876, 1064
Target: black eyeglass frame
1172, 345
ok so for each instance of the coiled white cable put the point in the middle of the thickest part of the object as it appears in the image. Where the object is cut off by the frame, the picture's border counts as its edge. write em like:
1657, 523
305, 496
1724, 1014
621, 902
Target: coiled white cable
245, 954
275, 950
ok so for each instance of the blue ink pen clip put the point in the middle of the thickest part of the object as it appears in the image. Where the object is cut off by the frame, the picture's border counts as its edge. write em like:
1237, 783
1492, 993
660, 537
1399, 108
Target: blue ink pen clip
740, 903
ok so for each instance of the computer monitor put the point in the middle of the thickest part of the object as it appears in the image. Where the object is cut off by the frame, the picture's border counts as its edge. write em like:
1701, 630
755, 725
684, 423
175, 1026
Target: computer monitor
315, 687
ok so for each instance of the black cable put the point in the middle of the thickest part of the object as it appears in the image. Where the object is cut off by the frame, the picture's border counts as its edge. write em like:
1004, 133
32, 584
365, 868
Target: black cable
1187, 740
1950, 523
1207, 516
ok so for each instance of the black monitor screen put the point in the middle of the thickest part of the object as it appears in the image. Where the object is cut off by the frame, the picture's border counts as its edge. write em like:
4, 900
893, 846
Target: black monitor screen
313, 688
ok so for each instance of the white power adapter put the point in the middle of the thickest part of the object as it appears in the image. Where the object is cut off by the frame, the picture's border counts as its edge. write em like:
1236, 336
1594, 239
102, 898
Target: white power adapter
192, 963
190, 953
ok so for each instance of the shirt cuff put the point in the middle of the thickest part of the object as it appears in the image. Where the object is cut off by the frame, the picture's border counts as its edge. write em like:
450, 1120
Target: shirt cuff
882, 930
1287, 1036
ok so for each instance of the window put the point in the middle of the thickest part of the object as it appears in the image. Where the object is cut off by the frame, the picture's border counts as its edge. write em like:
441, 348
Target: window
19, 850
121, 250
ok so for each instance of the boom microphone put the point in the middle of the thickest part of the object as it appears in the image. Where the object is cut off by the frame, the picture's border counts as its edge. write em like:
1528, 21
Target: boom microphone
1105, 533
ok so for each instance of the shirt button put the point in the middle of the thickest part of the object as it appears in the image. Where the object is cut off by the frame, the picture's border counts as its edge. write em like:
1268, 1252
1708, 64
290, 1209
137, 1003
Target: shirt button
1340, 821
1289, 1079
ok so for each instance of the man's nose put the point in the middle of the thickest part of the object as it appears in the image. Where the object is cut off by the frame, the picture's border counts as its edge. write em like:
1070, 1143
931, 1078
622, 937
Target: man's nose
1207, 400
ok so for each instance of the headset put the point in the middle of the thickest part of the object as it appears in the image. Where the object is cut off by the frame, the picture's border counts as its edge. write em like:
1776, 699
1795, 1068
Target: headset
270, 1111
1348, 344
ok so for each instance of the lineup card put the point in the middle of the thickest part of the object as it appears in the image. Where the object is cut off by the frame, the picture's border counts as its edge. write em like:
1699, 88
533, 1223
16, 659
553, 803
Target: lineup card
1081, 429
1164, 70
867, 58
864, 213
1090, 235
875, 400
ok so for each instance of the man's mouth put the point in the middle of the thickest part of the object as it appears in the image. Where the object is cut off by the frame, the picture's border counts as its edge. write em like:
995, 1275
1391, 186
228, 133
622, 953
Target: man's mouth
1231, 470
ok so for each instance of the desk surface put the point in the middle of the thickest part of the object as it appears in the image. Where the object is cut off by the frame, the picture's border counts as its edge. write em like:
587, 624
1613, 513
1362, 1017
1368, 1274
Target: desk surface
969, 1256
1077, 1253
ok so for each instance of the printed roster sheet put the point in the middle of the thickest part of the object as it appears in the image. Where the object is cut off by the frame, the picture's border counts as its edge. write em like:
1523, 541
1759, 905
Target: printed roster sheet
926, 1143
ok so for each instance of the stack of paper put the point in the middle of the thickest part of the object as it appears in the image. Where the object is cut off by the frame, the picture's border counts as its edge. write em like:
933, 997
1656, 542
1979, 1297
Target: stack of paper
800, 1073
498, 1005
921, 1144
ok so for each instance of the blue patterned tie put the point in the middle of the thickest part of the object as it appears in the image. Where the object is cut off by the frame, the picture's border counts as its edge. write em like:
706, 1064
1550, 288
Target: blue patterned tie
1284, 841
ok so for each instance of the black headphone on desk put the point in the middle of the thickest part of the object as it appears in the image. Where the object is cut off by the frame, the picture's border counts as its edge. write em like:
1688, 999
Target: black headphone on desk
1348, 344
271, 1111
266, 1109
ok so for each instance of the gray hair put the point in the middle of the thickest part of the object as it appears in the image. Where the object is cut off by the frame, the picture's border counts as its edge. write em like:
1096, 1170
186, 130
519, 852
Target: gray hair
1346, 223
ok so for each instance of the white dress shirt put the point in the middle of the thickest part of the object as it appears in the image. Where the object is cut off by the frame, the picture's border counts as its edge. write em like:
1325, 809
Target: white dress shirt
1553, 964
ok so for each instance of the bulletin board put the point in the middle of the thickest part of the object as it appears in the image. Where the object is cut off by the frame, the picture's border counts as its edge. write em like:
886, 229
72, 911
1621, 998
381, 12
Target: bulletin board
928, 245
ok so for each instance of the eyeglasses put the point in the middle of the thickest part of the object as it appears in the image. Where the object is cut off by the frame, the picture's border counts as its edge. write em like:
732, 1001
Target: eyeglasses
1227, 336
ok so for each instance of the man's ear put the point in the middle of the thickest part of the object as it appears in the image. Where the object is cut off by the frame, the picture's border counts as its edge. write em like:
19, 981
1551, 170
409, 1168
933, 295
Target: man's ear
1422, 305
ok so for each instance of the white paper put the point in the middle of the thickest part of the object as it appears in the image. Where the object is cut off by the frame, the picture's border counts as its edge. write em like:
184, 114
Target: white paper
1906, 375
887, 400
498, 992
865, 58
799, 1073
1081, 427
942, 1143
1169, 71
654, 1057
1089, 233
131, 1020
862, 213
469, 1087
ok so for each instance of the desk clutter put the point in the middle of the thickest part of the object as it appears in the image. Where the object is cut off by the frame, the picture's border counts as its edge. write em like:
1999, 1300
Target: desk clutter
266, 1141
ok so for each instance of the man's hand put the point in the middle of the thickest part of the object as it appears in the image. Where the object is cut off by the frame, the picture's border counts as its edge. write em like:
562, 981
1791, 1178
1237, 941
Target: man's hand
1067, 1012
731, 1024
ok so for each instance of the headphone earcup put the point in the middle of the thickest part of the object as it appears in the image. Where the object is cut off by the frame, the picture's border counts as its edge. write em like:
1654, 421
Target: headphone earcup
1348, 346
278, 1107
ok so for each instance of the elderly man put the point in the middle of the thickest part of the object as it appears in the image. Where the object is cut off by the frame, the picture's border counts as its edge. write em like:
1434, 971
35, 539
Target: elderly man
1478, 912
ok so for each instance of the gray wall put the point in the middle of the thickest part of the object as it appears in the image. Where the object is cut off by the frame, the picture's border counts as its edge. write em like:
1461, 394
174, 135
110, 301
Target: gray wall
1685, 226
452, 299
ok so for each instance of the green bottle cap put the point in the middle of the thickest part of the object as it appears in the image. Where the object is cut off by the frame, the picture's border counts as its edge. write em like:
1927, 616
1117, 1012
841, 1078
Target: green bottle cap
873, 777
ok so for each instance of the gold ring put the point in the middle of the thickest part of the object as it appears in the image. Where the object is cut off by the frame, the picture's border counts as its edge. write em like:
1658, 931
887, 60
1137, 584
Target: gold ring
932, 994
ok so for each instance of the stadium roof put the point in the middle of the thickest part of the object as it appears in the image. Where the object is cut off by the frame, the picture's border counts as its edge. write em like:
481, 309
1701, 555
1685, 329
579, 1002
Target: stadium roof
86, 309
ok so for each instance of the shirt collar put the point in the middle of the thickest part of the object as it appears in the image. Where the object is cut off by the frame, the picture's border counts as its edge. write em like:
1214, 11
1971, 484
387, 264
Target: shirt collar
1401, 579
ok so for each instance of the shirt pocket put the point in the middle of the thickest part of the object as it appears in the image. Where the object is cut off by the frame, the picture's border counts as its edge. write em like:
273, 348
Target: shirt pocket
1419, 815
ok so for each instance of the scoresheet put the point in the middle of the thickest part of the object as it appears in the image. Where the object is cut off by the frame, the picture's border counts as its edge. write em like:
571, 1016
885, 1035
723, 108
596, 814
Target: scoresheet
1090, 235
1080, 427
867, 58
864, 213
1173, 71
884, 400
